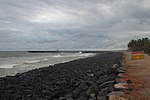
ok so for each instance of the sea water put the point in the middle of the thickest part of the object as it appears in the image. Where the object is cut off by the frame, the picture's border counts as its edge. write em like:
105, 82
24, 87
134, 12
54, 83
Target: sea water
13, 62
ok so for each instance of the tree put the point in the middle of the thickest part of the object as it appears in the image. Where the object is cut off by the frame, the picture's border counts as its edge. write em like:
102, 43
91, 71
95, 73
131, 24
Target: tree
139, 45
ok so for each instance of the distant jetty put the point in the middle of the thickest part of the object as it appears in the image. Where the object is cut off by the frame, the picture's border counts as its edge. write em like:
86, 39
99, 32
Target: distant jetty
58, 51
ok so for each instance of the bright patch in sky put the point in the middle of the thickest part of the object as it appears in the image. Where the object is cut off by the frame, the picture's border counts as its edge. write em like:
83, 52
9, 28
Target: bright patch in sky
50, 17
105, 8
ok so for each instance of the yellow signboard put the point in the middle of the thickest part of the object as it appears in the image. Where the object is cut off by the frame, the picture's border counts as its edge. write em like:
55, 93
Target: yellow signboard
137, 55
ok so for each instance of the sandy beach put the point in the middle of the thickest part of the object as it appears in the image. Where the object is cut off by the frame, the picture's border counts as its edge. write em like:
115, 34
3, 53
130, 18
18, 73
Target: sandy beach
138, 76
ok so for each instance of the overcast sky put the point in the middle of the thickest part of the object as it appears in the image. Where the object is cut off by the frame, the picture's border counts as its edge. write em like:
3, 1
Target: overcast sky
72, 24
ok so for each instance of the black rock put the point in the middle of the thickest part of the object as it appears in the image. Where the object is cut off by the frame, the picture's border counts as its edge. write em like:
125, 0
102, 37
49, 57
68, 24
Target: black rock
60, 79
82, 98
94, 98
102, 79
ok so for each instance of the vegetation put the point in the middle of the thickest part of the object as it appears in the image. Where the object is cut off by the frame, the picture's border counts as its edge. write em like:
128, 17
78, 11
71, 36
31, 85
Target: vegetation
139, 45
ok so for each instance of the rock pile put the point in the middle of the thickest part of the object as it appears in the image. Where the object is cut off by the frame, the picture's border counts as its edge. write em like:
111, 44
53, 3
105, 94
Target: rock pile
90, 78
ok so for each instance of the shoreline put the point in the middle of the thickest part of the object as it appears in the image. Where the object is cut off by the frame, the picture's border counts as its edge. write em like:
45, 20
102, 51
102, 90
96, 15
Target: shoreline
133, 81
80, 79
138, 72
26, 65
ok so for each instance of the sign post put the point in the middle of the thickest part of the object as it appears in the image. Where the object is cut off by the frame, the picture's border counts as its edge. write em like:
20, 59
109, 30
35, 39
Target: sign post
137, 55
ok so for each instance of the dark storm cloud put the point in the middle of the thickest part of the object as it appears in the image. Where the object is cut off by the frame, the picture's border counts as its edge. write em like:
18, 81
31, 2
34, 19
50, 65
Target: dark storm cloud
72, 24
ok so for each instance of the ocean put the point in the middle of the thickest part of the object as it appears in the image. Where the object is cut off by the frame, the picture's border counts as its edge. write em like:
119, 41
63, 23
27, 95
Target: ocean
13, 62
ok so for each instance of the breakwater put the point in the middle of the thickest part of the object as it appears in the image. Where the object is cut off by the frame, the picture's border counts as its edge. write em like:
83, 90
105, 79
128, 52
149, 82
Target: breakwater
91, 78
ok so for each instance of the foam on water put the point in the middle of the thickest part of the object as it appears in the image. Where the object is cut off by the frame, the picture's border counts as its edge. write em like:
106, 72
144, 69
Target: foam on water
34, 61
8, 65
58, 55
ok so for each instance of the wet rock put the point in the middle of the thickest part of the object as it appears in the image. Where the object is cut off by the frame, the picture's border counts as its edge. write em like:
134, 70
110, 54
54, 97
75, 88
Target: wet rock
52, 99
69, 98
106, 84
54, 82
116, 93
89, 83
110, 71
89, 71
103, 92
91, 74
69, 95
93, 89
122, 75
102, 79
62, 98
121, 85
121, 71
115, 66
101, 98
92, 95
94, 98
99, 73
84, 94
81, 87
81, 98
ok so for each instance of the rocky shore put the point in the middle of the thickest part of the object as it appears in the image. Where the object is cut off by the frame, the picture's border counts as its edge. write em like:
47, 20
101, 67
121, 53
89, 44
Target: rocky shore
90, 78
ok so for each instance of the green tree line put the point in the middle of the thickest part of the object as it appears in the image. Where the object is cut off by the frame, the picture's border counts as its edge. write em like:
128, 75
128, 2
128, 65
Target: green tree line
139, 45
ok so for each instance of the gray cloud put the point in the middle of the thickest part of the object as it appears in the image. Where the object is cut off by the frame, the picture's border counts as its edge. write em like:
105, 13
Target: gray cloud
72, 24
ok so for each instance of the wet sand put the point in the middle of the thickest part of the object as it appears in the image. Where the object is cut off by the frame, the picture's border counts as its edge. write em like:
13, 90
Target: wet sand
138, 76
